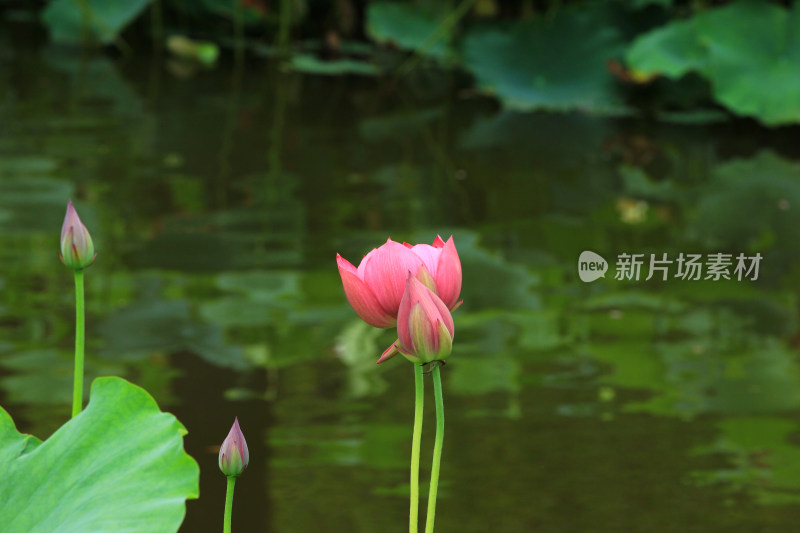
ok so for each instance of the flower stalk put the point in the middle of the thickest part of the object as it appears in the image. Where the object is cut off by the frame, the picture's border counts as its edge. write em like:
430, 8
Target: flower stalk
77, 252
437, 449
416, 440
226, 525
77, 385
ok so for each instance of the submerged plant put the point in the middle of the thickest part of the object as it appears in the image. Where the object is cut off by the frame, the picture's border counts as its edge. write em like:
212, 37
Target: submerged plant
233, 459
414, 288
77, 252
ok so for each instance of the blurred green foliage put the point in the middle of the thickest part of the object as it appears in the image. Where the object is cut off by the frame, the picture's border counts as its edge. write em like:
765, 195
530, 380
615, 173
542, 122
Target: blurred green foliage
749, 51
556, 62
72, 22
612, 57
219, 199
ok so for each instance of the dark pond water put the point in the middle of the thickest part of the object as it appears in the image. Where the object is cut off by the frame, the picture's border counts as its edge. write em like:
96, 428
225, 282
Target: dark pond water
219, 199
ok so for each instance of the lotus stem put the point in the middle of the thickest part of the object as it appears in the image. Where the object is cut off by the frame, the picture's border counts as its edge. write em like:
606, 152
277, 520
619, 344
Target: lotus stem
419, 400
238, 33
437, 449
77, 387
284, 27
226, 527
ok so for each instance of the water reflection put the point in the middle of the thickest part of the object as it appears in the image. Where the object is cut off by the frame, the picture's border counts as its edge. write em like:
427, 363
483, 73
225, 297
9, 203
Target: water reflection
218, 203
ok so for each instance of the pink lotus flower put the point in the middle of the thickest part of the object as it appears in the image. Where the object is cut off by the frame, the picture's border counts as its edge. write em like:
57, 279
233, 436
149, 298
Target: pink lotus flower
443, 263
424, 324
375, 288
77, 248
233, 454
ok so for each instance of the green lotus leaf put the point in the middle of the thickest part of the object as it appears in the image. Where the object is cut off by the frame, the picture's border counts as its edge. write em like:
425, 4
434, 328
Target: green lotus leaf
749, 51
101, 22
549, 63
119, 466
409, 27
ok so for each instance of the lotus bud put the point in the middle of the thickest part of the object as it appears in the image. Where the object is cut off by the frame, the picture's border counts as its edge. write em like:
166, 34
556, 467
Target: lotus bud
77, 248
424, 324
233, 454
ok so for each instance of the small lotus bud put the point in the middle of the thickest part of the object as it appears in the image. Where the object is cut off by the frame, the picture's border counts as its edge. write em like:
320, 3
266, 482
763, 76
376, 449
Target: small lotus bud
424, 325
233, 455
77, 249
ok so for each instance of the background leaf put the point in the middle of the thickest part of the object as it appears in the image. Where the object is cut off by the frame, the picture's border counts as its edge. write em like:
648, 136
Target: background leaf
406, 26
749, 51
106, 20
553, 63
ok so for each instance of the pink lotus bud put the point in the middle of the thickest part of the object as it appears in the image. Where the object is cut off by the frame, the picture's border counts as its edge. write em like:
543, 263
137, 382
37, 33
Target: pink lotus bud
233, 454
77, 249
424, 324
375, 288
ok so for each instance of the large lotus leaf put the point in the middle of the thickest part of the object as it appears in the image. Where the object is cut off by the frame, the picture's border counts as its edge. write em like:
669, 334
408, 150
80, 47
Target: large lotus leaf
549, 63
105, 19
407, 26
119, 466
749, 51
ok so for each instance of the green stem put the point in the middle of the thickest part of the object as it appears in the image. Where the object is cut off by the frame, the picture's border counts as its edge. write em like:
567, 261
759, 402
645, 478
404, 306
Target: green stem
419, 400
86, 21
437, 449
226, 527
157, 25
284, 28
238, 33
77, 386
